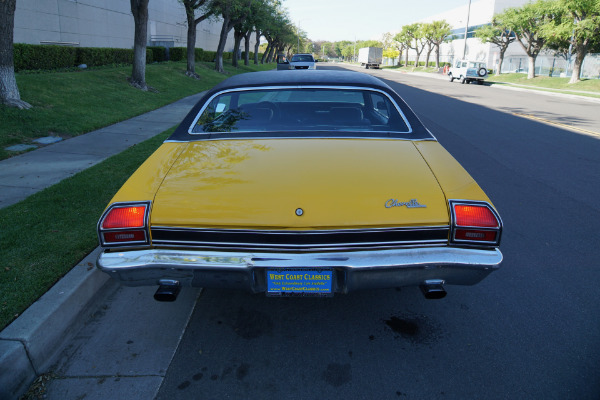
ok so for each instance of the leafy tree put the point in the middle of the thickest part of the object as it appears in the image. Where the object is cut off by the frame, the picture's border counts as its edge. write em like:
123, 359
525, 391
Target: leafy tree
401, 42
139, 9
340, 46
232, 12
497, 33
440, 30
264, 17
415, 39
191, 6
525, 22
389, 46
576, 25
9, 91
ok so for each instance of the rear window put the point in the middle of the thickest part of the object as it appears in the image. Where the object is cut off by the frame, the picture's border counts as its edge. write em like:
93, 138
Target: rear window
302, 58
297, 110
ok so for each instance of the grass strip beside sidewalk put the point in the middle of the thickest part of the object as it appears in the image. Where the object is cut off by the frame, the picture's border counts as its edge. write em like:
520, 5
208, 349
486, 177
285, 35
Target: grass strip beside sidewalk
45, 235
70, 103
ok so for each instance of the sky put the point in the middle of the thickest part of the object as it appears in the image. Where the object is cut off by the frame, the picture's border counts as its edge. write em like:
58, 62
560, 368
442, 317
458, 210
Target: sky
335, 20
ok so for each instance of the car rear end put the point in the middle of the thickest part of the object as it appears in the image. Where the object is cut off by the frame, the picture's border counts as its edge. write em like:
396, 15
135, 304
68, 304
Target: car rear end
309, 212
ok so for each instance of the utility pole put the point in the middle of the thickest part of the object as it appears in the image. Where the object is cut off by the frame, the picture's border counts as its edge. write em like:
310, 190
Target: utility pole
467, 30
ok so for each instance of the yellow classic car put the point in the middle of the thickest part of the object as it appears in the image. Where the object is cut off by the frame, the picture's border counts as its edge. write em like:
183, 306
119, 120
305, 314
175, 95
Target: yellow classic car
300, 184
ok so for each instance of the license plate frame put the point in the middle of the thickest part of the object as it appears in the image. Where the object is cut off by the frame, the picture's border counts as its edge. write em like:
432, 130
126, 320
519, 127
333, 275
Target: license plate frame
299, 282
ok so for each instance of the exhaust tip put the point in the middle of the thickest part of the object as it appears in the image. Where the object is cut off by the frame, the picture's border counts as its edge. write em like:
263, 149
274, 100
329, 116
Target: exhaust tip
433, 290
167, 291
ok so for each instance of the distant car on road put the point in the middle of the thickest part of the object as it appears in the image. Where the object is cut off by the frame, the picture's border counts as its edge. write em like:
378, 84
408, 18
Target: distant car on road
300, 184
468, 71
303, 61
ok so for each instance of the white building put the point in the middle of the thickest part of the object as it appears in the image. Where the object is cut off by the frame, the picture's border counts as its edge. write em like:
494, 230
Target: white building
479, 13
108, 23
515, 59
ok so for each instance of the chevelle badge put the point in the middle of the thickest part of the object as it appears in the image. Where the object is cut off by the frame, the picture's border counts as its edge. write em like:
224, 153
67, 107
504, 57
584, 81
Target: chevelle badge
409, 204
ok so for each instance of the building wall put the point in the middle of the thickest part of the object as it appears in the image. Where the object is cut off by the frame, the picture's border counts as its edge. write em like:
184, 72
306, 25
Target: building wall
108, 23
481, 13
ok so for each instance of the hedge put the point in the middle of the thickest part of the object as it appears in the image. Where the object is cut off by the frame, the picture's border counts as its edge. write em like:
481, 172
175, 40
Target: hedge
159, 53
46, 57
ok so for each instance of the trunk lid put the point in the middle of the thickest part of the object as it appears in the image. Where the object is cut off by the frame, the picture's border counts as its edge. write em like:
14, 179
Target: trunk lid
338, 184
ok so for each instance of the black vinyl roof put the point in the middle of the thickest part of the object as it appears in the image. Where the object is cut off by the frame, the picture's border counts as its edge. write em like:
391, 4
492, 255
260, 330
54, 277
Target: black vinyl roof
296, 78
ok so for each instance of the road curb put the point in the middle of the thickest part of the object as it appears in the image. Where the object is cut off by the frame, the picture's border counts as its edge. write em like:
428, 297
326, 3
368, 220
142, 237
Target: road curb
31, 344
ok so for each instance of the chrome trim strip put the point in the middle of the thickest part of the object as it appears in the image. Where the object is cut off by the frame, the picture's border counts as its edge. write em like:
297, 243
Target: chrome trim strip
298, 248
433, 139
312, 231
190, 129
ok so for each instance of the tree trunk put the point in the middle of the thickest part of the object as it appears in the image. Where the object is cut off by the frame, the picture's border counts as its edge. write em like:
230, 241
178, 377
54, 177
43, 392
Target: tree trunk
191, 46
221, 47
264, 56
139, 9
429, 49
531, 63
256, 46
237, 40
406, 58
247, 47
270, 56
580, 53
437, 56
9, 91
500, 61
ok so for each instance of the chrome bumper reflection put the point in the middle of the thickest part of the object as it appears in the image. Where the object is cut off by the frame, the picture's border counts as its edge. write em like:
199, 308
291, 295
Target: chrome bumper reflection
353, 270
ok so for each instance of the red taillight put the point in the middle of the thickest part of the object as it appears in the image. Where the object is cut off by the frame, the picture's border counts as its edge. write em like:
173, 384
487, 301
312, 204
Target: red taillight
125, 224
475, 223
125, 217
475, 215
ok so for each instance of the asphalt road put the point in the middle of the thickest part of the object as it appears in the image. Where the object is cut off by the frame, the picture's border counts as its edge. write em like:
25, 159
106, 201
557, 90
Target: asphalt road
529, 331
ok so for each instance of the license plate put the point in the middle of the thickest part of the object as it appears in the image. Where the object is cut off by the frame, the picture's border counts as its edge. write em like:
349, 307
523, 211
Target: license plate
299, 282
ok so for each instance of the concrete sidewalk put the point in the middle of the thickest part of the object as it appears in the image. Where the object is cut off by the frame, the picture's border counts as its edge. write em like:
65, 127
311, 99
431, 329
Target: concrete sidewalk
30, 345
28, 173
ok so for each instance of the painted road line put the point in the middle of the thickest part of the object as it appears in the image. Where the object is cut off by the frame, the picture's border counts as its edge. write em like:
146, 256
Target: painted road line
569, 127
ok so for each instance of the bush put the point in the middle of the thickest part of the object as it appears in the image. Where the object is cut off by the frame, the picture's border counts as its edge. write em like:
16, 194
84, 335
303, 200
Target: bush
47, 57
209, 56
96, 56
159, 53
37, 56
177, 53
198, 53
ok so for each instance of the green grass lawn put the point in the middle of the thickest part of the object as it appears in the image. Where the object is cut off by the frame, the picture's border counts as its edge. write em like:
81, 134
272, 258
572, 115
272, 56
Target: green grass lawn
587, 87
71, 103
45, 235
412, 68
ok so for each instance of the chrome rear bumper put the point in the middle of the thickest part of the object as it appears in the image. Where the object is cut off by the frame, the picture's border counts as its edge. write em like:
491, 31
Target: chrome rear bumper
353, 270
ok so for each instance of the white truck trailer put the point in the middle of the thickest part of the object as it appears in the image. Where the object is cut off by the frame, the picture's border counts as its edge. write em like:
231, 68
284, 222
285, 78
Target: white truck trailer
370, 57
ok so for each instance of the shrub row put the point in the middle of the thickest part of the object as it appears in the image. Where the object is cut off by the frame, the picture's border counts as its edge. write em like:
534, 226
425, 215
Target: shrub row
44, 57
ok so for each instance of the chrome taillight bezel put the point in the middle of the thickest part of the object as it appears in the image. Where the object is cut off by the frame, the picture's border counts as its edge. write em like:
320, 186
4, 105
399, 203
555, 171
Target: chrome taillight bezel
144, 228
477, 243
